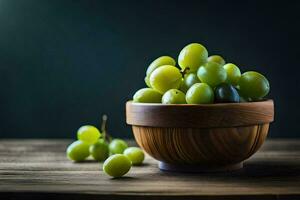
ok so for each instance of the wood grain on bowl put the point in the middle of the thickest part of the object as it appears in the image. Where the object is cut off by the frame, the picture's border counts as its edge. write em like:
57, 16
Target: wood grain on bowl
212, 146
200, 116
215, 136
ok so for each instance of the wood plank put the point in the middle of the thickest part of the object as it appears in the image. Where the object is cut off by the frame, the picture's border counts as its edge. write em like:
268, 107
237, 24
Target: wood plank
33, 168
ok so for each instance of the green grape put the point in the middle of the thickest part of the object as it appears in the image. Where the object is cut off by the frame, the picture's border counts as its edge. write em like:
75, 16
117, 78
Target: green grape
192, 56
233, 73
253, 85
147, 81
217, 59
88, 134
147, 95
163, 60
78, 151
117, 146
135, 154
182, 86
165, 77
117, 165
99, 151
188, 81
212, 73
242, 99
200, 93
173, 96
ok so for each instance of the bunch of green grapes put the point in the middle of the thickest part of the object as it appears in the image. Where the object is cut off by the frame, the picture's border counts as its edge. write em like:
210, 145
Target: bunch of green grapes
199, 79
88, 143
115, 153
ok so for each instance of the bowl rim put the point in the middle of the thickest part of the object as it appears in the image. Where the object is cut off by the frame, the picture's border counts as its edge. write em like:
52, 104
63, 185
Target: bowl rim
200, 105
218, 115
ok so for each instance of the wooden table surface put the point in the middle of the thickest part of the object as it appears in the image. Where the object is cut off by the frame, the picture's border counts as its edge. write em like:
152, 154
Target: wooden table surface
39, 169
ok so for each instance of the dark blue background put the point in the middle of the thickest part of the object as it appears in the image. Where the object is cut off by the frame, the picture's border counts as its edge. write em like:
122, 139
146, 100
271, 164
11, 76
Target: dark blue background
65, 63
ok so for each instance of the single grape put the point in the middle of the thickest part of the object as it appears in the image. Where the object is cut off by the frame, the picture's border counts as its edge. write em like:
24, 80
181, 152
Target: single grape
163, 60
164, 78
200, 93
173, 96
182, 86
135, 154
212, 73
147, 81
188, 80
192, 56
117, 165
147, 95
78, 151
233, 73
117, 146
242, 99
88, 134
99, 151
217, 59
253, 85
226, 93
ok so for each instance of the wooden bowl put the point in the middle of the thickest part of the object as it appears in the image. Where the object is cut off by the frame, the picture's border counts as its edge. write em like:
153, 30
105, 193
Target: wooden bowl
206, 137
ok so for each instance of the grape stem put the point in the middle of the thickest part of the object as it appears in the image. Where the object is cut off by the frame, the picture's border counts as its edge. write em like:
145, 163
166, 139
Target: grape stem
105, 135
185, 71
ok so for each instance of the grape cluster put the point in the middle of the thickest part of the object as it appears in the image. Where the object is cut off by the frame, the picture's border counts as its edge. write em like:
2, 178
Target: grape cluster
115, 153
199, 79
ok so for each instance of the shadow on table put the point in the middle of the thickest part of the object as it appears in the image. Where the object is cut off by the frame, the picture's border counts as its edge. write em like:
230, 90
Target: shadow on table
260, 171
270, 169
